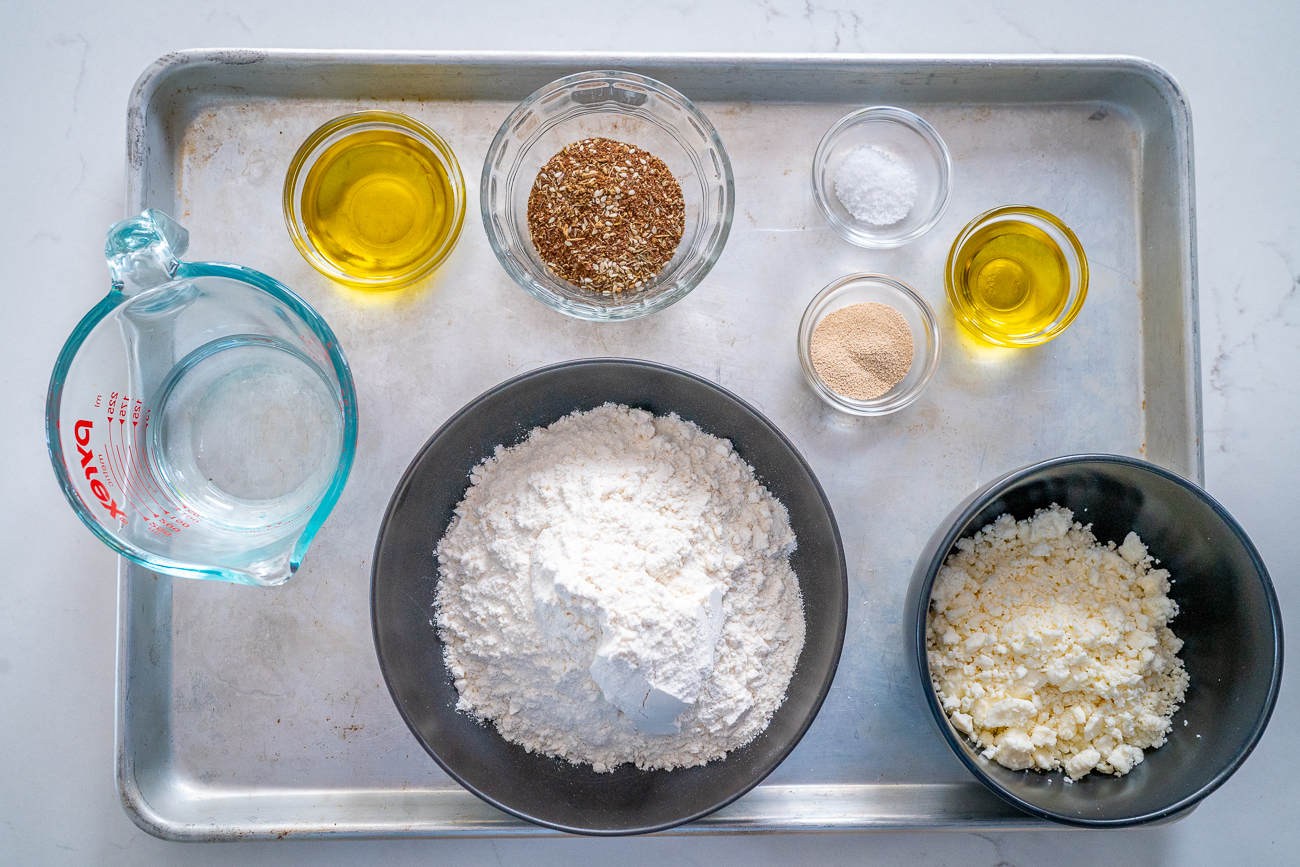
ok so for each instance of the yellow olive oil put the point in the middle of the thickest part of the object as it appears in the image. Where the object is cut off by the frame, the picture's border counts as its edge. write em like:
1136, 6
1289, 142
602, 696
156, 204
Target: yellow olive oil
1012, 280
377, 203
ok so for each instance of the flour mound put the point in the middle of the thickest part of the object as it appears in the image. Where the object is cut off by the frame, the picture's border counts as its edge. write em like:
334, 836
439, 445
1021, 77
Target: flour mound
617, 588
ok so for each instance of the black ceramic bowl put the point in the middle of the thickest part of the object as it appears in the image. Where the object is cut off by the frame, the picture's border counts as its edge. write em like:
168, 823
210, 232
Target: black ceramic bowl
1228, 619
546, 790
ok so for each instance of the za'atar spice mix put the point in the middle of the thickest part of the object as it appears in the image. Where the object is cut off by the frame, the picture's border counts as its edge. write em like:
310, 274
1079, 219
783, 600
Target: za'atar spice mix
605, 215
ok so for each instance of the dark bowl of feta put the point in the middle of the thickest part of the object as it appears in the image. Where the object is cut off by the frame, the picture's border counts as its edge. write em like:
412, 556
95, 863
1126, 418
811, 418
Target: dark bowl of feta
1228, 622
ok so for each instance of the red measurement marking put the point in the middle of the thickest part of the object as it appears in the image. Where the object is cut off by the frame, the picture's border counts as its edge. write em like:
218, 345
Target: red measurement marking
142, 478
123, 475
138, 473
150, 485
123, 482
162, 526
312, 349
154, 490
187, 511
165, 499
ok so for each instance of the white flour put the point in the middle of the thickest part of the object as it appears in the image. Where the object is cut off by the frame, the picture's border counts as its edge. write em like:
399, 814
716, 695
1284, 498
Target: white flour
616, 589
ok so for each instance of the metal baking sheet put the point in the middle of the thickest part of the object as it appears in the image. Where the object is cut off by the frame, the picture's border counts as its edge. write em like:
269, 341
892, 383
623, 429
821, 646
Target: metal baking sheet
254, 713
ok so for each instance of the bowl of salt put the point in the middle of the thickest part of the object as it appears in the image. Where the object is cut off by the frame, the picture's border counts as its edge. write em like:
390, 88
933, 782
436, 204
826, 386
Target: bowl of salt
882, 177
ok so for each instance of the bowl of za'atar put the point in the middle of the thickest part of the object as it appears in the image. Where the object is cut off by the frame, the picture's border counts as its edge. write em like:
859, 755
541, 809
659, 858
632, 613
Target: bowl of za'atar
607, 195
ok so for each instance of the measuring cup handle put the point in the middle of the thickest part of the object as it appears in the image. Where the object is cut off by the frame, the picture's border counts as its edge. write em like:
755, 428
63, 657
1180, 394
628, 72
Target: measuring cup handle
145, 251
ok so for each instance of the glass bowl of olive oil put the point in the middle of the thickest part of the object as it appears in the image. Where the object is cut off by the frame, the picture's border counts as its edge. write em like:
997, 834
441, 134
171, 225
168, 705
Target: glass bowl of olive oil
374, 200
1016, 276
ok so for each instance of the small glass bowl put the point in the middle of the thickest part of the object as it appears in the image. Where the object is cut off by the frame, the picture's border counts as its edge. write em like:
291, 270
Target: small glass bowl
319, 143
864, 289
632, 109
1075, 260
904, 135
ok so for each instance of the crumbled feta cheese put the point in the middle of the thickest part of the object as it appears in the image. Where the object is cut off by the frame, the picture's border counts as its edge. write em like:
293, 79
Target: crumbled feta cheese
1009, 712
1015, 750
1133, 550
1081, 763
1053, 651
1124, 758
1042, 736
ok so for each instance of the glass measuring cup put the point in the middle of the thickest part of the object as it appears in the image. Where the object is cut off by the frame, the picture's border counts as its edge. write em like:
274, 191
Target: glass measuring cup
201, 418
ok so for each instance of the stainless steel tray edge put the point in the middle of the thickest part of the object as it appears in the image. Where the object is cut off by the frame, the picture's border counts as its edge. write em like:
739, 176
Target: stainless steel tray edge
143, 750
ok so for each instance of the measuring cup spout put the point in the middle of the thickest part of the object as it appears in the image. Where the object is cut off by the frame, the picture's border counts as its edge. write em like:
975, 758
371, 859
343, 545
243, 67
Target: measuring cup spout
145, 251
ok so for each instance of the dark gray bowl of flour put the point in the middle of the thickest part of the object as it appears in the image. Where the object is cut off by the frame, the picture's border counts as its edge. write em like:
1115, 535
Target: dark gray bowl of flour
546, 790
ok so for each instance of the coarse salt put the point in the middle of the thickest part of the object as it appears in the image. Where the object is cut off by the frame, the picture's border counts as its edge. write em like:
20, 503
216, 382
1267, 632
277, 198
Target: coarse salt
875, 186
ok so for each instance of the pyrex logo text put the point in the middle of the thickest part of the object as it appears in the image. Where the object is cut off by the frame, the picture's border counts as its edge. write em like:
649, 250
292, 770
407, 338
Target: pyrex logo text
82, 433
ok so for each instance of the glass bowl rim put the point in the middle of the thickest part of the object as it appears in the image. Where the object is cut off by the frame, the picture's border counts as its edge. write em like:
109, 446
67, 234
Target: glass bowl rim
1066, 318
524, 277
305, 158
878, 406
902, 117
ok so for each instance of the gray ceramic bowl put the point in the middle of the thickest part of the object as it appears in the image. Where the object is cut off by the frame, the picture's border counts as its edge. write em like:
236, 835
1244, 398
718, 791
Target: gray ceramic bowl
1229, 620
545, 790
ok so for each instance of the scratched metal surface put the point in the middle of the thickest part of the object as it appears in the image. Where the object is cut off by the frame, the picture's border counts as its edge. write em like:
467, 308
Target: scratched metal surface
260, 713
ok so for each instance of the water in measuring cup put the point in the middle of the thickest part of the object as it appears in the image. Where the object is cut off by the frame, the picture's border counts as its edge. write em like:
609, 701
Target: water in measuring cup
247, 433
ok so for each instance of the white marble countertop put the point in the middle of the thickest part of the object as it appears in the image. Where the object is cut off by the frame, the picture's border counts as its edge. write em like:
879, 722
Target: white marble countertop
68, 68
